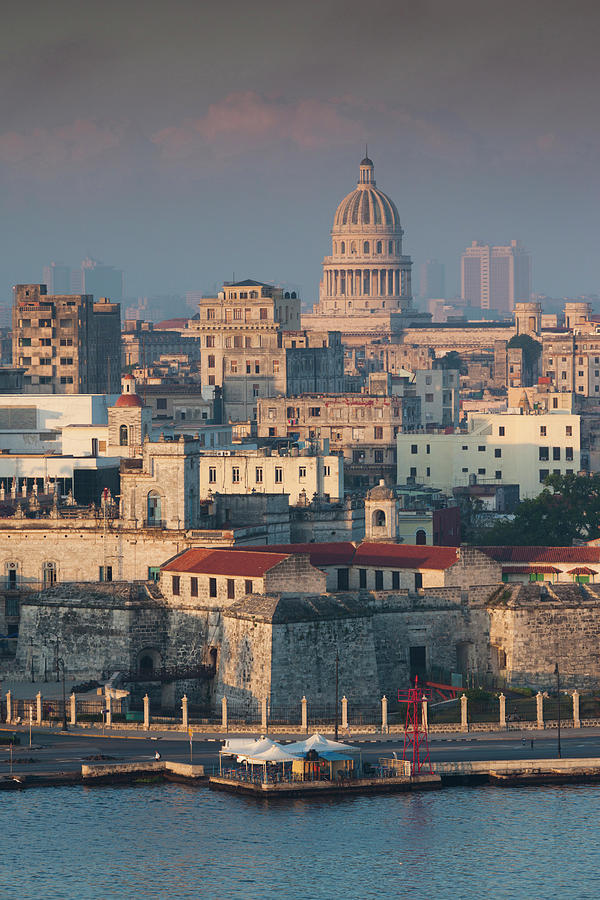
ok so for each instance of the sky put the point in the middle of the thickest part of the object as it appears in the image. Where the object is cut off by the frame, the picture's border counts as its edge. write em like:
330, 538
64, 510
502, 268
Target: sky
189, 142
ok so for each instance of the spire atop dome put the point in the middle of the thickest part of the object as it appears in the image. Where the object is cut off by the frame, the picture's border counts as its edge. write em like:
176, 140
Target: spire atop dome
367, 170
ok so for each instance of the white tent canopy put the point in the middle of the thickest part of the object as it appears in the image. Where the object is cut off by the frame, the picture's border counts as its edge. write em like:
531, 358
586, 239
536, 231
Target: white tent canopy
320, 744
243, 747
276, 753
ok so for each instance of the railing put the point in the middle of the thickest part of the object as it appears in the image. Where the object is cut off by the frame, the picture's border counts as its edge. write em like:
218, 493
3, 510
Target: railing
171, 673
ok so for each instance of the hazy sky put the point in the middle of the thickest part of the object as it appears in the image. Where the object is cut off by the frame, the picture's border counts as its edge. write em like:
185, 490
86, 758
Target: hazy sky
187, 140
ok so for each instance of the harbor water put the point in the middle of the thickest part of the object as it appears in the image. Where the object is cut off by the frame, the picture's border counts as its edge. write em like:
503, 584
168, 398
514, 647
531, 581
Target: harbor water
170, 841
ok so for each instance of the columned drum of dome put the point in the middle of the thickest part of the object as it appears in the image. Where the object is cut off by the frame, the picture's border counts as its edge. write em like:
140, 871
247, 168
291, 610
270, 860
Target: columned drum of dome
366, 271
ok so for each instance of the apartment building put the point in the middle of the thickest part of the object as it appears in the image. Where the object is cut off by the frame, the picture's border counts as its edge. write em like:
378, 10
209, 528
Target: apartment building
497, 448
66, 343
571, 362
301, 474
143, 344
360, 427
252, 347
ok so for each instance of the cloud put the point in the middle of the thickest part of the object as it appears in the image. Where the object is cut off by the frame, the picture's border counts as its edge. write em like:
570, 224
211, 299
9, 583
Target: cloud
50, 148
246, 121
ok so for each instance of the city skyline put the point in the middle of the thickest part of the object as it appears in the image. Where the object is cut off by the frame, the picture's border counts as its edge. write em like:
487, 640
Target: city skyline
122, 136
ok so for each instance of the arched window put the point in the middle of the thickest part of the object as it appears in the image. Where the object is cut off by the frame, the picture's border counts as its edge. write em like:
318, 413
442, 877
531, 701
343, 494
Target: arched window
421, 537
379, 247
154, 508
366, 247
148, 662
123, 436
343, 246
390, 246
379, 518
353, 247
49, 573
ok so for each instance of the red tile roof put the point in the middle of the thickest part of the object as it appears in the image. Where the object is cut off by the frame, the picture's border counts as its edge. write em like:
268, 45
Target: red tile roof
530, 570
223, 562
543, 554
405, 556
344, 553
582, 570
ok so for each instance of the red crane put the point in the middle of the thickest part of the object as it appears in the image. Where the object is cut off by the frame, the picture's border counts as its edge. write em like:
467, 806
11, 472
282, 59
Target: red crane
416, 744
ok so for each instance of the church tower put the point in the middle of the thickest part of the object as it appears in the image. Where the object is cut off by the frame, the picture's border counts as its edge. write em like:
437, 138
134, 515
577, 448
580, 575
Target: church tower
129, 422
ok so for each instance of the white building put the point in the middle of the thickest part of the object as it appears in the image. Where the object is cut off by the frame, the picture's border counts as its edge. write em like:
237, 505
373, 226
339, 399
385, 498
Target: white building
501, 448
247, 471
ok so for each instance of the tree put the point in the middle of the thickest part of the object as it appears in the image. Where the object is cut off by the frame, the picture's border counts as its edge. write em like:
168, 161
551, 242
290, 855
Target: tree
451, 360
567, 509
531, 348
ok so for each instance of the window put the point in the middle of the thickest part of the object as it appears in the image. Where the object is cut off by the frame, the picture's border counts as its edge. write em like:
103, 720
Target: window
497, 452
378, 433
481, 471
428, 471
66, 379
210, 314
237, 313
302, 472
233, 366
278, 475
556, 453
544, 453
428, 398
24, 342
47, 361
212, 475
543, 475
105, 573
326, 471
211, 361
161, 402
235, 474
428, 448
258, 475
569, 430
154, 573
176, 584
64, 361
275, 367
46, 323
362, 578
413, 448
49, 573
193, 586
501, 431
264, 313
418, 581
420, 537
413, 471
481, 448
542, 431
64, 342
257, 367
256, 390
231, 588
378, 580
248, 368
212, 587
395, 581
569, 454
123, 436
498, 475
465, 447
378, 456
314, 411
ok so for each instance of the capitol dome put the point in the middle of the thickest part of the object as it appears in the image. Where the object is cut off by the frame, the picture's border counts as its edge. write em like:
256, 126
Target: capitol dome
367, 206
366, 271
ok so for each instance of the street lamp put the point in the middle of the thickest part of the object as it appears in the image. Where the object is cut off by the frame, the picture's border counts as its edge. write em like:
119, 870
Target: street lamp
60, 662
557, 673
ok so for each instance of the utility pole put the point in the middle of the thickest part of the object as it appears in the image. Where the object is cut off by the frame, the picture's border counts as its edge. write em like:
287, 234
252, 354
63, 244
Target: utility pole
557, 673
337, 685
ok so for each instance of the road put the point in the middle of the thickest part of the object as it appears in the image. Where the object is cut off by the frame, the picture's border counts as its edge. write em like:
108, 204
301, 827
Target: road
53, 751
